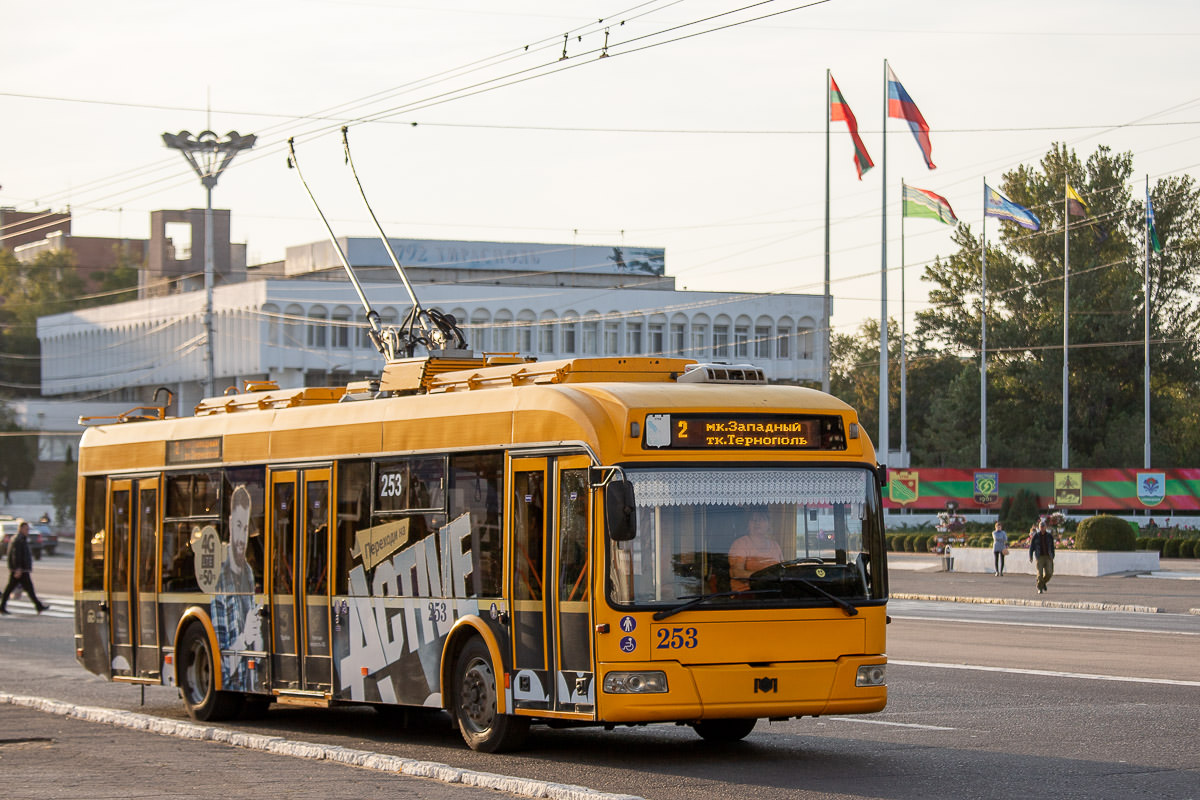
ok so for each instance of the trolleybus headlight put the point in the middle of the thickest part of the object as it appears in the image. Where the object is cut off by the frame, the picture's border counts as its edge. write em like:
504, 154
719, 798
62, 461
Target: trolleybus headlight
635, 683
871, 675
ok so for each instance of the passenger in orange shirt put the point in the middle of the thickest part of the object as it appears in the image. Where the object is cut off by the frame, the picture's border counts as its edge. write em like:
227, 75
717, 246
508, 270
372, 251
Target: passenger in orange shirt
754, 551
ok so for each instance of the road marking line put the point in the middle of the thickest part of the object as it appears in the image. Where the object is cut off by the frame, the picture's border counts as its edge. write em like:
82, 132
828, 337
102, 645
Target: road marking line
1044, 625
895, 724
524, 787
1044, 672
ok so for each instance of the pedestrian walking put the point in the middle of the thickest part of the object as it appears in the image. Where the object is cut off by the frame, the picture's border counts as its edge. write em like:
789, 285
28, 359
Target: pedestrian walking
20, 565
999, 547
1041, 547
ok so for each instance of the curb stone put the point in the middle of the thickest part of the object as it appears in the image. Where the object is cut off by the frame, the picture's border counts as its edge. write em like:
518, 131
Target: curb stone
1002, 601
522, 787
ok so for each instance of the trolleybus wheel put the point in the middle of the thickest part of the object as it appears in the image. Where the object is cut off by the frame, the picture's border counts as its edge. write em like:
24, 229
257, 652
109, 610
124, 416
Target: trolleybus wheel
724, 730
197, 679
482, 727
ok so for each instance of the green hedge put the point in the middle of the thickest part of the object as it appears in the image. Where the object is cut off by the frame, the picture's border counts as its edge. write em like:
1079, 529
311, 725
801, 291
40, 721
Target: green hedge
1104, 532
1171, 548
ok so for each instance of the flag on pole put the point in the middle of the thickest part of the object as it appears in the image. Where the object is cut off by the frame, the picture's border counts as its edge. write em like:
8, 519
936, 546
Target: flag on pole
839, 110
923, 203
1154, 242
1075, 205
901, 106
997, 205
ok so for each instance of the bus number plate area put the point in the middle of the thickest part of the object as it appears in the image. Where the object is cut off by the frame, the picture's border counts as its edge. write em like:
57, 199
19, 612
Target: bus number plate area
756, 642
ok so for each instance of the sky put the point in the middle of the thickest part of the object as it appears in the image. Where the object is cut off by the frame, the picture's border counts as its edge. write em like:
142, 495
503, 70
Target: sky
702, 132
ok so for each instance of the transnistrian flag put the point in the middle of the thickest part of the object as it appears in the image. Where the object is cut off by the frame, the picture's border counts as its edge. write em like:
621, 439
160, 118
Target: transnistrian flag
923, 203
1154, 242
1075, 205
839, 111
997, 205
901, 106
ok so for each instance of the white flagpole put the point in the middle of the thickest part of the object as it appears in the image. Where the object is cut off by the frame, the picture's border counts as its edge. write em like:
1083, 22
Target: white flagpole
1066, 318
882, 445
983, 338
828, 359
1146, 342
903, 337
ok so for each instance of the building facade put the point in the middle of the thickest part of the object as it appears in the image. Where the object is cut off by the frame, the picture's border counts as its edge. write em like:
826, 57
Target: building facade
546, 301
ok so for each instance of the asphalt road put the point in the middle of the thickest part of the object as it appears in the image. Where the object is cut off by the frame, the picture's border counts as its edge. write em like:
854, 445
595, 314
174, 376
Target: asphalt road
983, 704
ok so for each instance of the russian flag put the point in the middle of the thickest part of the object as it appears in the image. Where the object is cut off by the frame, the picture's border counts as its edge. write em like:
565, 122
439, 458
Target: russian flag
901, 106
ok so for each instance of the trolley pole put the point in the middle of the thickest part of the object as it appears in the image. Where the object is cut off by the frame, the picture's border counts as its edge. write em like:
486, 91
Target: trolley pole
208, 155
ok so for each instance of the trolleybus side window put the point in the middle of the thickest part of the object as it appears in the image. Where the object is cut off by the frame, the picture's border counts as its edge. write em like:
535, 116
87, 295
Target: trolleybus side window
475, 489
252, 481
192, 504
94, 497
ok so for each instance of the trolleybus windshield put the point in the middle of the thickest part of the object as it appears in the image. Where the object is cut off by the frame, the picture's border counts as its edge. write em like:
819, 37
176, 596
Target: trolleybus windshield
778, 536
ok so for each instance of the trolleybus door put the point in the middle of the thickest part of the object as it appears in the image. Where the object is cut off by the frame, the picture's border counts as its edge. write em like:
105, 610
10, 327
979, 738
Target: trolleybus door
301, 655
551, 610
133, 575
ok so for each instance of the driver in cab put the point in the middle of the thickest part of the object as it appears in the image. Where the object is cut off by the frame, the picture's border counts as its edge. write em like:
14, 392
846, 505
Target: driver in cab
756, 550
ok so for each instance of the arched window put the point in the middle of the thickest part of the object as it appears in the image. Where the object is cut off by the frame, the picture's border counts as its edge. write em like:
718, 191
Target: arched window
526, 319
570, 333
677, 337
764, 337
635, 343
783, 335
699, 343
341, 327
722, 337
293, 326
317, 325
481, 321
504, 333
612, 334
806, 338
546, 333
741, 337
591, 333
270, 313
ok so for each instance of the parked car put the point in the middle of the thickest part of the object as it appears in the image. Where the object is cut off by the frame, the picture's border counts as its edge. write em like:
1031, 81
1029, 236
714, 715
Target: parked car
8, 530
49, 537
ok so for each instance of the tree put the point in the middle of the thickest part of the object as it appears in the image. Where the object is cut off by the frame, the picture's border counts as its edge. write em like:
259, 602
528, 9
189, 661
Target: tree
49, 284
1025, 316
16, 451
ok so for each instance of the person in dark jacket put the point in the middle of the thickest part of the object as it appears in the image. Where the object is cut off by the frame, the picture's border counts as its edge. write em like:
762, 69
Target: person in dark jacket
1041, 547
20, 565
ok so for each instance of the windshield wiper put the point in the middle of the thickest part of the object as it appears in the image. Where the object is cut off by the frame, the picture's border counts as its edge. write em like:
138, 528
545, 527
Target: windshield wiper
847, 607
697, 599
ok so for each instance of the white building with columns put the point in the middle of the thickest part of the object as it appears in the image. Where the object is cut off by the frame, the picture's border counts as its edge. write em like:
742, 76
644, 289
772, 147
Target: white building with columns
300, 322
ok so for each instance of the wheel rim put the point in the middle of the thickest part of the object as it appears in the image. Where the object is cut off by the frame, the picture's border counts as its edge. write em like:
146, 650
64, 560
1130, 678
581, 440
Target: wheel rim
477, 696
198, 675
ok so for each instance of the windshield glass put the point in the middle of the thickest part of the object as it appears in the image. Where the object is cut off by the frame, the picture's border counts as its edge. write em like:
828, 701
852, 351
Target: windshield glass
773, 536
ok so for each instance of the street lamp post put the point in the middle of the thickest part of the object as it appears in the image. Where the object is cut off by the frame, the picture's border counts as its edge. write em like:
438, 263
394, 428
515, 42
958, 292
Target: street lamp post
209, 155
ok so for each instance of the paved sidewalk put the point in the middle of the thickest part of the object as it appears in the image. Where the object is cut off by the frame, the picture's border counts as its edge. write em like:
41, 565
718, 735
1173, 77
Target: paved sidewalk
1175, 589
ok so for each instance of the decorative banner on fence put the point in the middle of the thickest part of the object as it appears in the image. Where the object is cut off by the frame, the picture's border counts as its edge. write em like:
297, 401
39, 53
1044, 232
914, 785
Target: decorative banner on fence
987, 488
1151, 487
904, 487
1068, 488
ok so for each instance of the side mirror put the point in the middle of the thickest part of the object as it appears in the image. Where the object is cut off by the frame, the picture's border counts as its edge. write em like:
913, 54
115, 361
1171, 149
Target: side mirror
881, 475
620, 514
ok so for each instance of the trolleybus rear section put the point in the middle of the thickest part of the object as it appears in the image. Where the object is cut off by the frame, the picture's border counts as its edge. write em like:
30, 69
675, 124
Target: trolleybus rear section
596, 541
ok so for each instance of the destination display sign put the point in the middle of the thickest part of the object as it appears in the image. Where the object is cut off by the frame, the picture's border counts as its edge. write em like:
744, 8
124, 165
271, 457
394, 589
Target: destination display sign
194, 451
723, 431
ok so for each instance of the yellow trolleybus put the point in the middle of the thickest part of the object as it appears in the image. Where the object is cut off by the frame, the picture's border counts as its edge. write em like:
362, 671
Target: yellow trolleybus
596, 541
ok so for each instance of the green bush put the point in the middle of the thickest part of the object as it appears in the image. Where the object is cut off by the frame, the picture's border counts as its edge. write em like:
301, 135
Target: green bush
1190, 548
910, 543
928, 542
1020, 510
1171, 548
1155, 543
1104, 532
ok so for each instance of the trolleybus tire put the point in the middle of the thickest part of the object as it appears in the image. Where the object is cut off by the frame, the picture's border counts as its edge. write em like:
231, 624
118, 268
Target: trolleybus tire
724, 730
198, 681
475, 694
